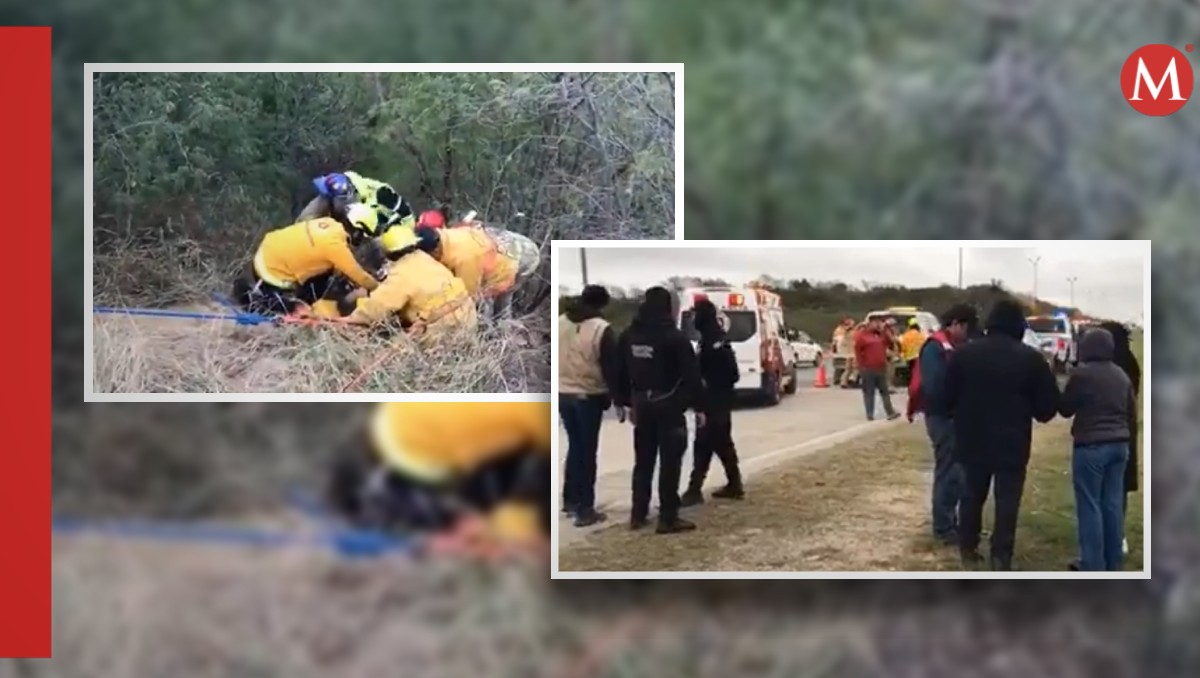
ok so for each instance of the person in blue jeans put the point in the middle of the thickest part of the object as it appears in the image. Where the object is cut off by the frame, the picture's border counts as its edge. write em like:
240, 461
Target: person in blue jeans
587, 370
1100, 396
926, 394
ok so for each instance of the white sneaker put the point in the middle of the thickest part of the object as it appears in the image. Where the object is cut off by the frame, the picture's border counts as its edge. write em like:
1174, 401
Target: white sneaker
1125, 546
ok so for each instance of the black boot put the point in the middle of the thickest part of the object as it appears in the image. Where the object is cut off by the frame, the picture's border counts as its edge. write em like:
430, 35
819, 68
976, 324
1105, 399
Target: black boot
638, 522
693, 497
730, 491
1002, 563
588, 518
971, 558
673, 526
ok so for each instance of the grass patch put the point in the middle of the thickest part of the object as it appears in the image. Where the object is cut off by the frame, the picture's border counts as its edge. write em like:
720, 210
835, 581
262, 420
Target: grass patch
861, 505
151, 355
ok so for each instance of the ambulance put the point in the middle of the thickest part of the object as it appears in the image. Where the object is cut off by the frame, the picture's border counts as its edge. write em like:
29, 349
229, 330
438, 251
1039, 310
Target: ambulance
756, 331
1057, 339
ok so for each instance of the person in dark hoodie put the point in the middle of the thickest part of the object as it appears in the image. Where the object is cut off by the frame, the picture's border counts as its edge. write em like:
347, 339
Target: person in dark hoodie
587, 375
927, 394
1123, 358
1100, 396
659, 381
995, 387
719, 370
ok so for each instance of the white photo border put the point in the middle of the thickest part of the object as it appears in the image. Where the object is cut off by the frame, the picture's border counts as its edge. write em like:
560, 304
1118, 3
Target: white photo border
91, 69
1140, 246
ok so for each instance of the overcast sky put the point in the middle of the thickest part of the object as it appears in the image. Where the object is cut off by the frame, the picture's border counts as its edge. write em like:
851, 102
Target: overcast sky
1109, 272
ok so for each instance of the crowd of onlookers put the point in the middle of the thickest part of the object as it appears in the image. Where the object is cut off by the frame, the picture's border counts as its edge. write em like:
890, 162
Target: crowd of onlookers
981, 392
979, 386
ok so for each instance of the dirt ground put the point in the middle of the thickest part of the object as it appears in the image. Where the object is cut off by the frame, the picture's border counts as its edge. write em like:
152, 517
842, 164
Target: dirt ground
862, 505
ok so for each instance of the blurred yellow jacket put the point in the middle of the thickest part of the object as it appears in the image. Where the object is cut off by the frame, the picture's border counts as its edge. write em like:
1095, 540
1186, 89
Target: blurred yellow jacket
443, 442
910, 343
516, 521
421, 293
293, 254
471, 254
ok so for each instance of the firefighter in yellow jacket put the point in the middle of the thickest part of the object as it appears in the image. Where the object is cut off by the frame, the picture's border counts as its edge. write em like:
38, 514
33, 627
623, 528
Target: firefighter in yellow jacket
297, 265
492, 263
478, 470
910, 347
423, 295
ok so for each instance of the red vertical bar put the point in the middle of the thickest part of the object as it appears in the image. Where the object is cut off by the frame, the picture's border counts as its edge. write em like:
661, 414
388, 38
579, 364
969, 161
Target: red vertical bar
25, 471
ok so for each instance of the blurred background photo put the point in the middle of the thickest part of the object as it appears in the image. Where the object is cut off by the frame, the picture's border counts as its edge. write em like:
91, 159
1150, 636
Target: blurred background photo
824, 450
920, 119
326, 232
280, 527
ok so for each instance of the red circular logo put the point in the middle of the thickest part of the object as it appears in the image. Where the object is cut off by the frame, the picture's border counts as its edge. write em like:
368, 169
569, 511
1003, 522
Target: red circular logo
1157, 80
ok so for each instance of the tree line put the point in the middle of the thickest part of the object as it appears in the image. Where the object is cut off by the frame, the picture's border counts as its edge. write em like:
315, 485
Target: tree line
194, 167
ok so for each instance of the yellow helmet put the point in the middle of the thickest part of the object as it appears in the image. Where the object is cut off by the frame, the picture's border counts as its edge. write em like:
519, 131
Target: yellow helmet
363, 218
397, 238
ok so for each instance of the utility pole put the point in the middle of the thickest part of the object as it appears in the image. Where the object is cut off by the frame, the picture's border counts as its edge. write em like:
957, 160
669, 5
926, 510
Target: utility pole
583, 264
1035, 262
960, 253
1071, 280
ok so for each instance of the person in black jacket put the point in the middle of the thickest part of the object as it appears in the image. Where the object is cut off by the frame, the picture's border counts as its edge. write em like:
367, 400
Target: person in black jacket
719, 370
1123, 358
660, 380
995, 387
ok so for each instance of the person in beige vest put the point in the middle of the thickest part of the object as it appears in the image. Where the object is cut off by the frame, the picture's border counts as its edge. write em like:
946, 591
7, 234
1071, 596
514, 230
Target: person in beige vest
587, 370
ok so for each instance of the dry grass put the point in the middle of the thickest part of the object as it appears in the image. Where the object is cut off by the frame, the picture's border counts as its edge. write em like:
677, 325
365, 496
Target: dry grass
135, 610
141, 354
151, 355
859, 506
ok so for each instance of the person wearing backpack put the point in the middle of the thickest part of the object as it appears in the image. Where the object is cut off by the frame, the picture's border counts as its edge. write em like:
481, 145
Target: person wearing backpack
926, 394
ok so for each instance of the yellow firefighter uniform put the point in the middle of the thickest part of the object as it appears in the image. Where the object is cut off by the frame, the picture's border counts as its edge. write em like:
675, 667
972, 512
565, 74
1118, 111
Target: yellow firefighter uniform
291, 255
445, 444
910, 344
471, 254
418, 291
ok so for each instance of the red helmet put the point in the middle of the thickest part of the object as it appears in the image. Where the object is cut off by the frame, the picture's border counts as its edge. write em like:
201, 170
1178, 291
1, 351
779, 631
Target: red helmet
432, 218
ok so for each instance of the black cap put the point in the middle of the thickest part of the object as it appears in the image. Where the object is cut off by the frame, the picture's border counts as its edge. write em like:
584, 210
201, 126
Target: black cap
595, 296
1007, 317
657, 301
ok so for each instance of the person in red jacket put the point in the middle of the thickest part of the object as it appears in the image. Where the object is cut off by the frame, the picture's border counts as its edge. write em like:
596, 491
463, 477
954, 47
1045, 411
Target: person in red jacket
871, 355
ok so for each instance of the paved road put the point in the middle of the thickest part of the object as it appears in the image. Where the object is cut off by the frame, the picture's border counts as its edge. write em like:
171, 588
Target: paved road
803, 423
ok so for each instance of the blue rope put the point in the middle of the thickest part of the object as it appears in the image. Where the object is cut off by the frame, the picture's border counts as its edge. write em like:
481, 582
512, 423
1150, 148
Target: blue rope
240, 318
347, 544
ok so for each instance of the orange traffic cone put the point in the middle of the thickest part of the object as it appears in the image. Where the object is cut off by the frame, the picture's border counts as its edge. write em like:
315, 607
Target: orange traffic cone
821, 381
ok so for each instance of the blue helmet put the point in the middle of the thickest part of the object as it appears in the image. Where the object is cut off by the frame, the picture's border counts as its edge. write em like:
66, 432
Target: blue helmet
333, 185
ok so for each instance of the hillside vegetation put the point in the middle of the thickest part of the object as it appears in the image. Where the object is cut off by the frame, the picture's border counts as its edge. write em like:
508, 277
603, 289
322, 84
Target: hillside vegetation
192, 168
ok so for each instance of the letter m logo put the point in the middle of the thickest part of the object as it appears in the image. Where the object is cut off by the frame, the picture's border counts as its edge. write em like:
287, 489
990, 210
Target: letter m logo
1157, 80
